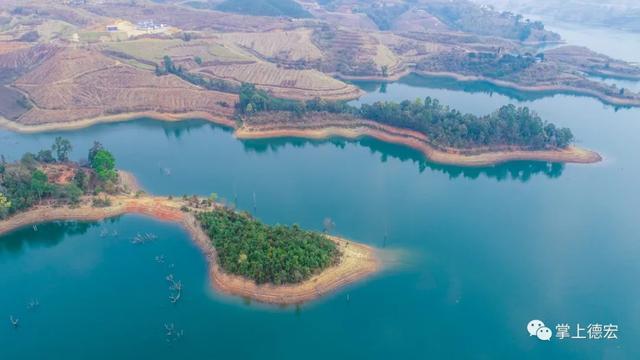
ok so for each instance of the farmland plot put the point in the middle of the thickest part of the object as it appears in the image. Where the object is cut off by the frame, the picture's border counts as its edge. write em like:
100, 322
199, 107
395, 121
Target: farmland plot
81, 84
294, 84
285, 45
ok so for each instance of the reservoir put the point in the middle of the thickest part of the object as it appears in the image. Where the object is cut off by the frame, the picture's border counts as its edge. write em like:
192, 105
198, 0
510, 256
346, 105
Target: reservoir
476, 253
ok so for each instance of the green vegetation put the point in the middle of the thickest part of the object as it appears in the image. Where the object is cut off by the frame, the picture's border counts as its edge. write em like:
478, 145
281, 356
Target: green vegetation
266, 254
5, 206
445, 127
104, 165
62, 148
487, 64
288, 8
42, 178
168, 67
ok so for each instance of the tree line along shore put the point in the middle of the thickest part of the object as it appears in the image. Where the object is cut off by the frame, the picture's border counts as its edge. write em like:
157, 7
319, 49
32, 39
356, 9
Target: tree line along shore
447, 127
444, 135
247, 257
447, 135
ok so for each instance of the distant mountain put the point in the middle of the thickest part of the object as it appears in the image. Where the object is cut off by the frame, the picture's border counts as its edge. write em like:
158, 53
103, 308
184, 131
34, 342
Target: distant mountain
615, 14
458, 15
287, 8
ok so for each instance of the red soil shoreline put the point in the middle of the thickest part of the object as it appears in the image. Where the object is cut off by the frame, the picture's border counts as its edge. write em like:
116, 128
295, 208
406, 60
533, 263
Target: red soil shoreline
418, 141
357, 262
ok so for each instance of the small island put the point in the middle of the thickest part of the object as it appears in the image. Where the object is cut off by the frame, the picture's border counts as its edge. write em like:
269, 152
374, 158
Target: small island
272, 264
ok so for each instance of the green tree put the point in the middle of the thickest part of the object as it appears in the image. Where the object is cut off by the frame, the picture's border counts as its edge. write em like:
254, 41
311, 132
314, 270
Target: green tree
71, 192
45, 156
81, 180
104, 164
267, 254
97, 146
5, 205
29, 161
62, 147
40, 184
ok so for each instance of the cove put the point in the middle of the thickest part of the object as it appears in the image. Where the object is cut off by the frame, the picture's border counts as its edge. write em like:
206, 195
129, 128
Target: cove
485, 250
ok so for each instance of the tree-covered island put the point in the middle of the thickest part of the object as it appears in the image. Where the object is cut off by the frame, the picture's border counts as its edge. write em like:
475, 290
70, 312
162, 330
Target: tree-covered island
49, 181
266, 254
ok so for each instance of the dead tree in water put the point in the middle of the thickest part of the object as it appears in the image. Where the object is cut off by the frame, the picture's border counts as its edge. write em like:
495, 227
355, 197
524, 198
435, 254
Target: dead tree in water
33, 304
176, 289
328, 225
171, 333
15, 322
255, 205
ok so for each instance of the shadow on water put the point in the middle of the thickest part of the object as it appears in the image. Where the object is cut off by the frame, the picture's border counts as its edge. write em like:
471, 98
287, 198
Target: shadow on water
47, 235
174, 129
178, 129
515, 170
471, 87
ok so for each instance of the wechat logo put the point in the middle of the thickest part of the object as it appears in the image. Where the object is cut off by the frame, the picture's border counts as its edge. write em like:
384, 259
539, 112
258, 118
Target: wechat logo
537, 328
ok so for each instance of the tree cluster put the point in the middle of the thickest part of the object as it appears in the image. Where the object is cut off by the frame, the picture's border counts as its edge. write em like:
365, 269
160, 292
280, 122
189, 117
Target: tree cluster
25, 183
507, 126
487, 64
169, 67
266, 254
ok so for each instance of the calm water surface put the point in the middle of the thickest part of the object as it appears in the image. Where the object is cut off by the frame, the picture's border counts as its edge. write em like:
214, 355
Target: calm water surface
481, 251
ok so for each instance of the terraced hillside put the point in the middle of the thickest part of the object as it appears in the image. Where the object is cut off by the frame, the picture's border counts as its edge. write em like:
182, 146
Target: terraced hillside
62, 61
291, 84
80, 84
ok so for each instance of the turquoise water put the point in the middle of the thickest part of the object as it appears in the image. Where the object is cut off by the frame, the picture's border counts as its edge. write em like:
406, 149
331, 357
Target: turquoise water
483, 251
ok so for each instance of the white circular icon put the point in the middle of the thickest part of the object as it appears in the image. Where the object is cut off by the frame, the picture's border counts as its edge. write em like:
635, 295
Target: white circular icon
544, 333
533, 326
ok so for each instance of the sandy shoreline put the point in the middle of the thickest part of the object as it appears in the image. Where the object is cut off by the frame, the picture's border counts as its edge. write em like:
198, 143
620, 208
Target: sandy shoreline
419, 142
124, 117
358, 261
361, 128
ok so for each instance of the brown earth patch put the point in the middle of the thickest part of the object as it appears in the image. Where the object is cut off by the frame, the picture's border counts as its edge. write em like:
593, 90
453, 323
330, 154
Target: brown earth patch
78, 84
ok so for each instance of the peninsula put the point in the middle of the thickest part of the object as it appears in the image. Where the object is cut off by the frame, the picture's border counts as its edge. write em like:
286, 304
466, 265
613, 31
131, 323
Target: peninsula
48, 187
443, 135
278, 74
